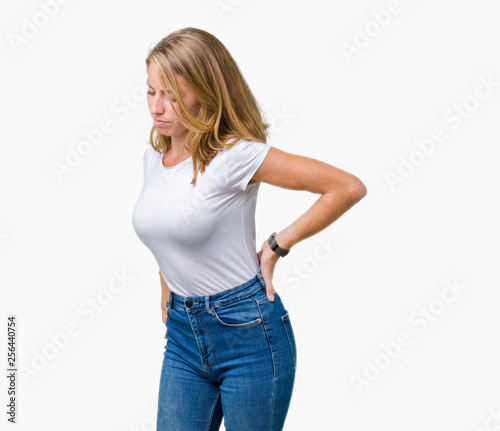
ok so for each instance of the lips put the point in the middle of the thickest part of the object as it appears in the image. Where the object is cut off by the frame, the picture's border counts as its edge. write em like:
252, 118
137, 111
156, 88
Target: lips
160, 122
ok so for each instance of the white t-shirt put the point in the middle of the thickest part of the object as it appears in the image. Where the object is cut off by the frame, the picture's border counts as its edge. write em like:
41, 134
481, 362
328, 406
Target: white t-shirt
203, 235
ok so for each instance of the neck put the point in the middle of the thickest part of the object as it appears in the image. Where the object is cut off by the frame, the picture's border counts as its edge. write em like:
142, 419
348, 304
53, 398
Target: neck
177, 147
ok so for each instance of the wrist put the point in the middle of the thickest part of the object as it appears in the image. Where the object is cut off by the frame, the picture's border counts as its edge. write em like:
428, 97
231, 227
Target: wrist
284, 239
276, 247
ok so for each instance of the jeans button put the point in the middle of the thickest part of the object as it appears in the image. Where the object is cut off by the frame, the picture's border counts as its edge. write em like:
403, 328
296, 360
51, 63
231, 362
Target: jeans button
188, 303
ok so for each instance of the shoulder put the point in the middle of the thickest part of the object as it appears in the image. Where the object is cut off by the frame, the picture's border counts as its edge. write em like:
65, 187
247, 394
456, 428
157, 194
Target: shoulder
241, 160
245, 148
151, 154
150, 157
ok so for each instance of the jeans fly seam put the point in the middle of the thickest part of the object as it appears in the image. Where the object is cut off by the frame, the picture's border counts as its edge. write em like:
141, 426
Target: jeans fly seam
209, 339
196, 338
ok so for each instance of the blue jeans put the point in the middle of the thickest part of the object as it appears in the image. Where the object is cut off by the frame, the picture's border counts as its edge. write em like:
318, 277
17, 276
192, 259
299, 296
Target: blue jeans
230, 355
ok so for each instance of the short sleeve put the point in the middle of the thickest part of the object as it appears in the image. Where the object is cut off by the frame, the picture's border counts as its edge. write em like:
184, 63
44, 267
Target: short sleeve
242, 161
148, 160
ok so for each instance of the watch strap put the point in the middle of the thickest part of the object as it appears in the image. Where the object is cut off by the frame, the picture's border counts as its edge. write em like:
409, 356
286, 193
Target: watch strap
275, 247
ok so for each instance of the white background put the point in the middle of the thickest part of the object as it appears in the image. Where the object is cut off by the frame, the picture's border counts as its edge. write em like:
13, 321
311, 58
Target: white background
393, 255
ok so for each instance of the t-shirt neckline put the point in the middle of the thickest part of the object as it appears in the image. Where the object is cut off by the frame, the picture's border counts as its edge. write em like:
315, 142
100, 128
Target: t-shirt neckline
175, 166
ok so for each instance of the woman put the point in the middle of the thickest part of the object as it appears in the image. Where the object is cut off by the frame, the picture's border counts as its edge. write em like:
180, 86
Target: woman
230, 348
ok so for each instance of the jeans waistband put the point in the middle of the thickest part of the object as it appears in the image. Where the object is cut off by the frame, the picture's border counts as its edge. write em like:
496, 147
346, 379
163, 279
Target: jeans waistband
212, 301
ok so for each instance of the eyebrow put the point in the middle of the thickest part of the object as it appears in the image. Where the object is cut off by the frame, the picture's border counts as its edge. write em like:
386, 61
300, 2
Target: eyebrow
169, 91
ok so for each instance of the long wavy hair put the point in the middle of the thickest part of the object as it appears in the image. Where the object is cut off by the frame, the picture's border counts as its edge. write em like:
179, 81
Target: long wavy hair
228, 111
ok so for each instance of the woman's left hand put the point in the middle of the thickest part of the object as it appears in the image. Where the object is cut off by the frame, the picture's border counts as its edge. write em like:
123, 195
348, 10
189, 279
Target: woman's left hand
267, 261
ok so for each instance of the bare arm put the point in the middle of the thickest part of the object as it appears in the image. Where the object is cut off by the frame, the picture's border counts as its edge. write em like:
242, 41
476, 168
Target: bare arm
339, 192
164, 298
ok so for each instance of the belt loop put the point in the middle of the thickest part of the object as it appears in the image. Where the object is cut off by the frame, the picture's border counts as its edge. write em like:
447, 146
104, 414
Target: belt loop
207, 305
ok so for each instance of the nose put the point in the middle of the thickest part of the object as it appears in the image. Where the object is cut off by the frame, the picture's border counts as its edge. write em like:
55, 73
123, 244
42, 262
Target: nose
157, 106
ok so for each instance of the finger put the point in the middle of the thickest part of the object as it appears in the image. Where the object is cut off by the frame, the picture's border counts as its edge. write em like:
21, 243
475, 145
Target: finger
269, 288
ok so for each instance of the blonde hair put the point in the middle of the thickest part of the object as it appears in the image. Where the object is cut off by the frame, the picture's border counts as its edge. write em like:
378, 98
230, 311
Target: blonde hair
228, 111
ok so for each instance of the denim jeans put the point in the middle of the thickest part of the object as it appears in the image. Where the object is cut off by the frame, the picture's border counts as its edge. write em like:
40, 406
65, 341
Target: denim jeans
230, 355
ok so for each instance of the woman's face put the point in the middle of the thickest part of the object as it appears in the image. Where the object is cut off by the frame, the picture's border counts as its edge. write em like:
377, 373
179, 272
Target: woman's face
167, 119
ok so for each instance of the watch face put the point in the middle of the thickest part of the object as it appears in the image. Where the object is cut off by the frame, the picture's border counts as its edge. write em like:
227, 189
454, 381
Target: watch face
272, 242
275, 247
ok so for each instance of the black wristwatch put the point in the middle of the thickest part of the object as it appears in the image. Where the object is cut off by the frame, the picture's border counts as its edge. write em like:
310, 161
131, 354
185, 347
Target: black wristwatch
275, 247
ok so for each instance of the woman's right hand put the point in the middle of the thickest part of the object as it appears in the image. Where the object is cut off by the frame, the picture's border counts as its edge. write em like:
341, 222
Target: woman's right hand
164, 298
164, 313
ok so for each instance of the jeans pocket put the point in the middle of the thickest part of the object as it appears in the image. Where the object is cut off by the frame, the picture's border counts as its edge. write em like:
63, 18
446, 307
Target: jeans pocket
238, 314
285, 319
